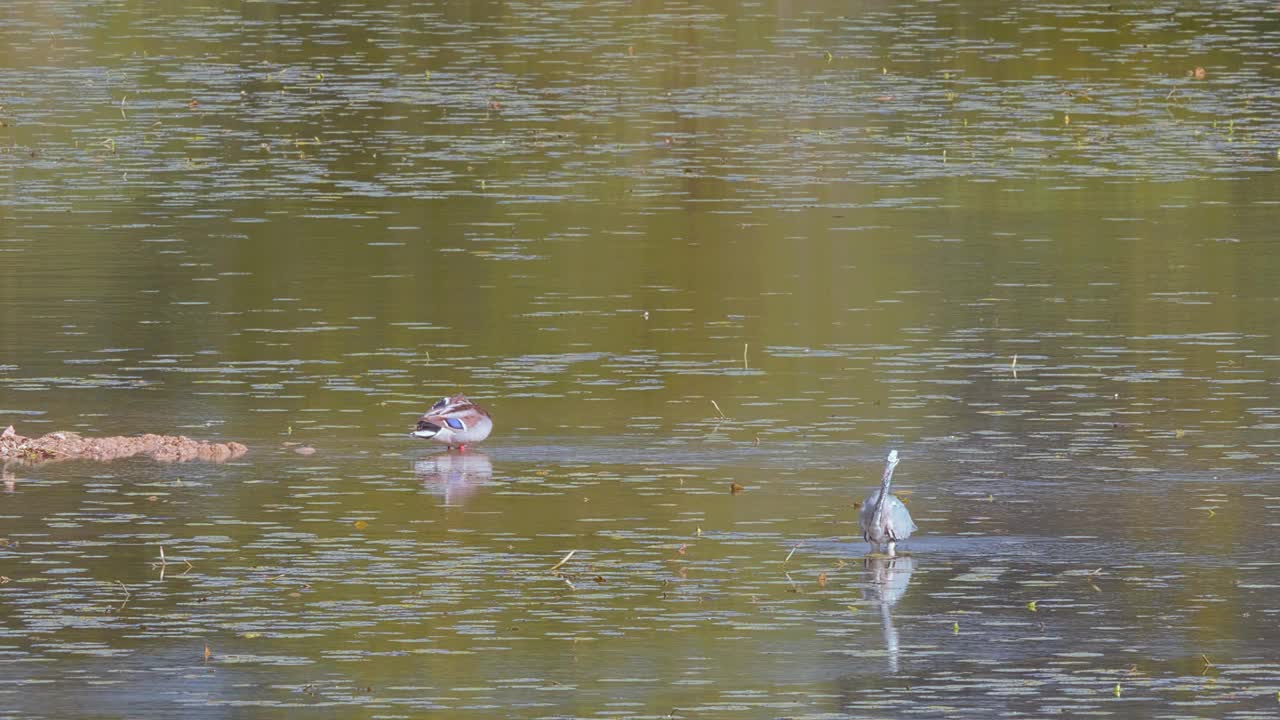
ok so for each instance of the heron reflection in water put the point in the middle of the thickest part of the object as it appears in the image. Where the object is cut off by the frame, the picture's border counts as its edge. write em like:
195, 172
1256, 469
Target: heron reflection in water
889, 580
455, 477
884, 518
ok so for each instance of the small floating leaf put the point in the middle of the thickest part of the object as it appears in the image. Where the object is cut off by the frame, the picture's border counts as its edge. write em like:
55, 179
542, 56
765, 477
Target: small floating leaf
1116, 691
1032, 606
822, 579
360, 524
735, 488
955, 628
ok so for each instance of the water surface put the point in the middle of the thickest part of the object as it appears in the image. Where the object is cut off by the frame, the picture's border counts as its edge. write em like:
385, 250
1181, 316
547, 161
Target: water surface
672, 248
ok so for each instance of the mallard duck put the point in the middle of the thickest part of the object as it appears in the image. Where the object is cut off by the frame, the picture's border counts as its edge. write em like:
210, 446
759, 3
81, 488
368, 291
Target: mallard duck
884, 518
455, 421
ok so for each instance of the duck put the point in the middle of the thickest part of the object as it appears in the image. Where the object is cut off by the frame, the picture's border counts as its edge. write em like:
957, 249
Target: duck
455, 421
884, 518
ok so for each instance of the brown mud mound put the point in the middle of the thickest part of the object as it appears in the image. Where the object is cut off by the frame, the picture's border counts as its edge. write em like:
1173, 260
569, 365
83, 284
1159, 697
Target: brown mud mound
70, 446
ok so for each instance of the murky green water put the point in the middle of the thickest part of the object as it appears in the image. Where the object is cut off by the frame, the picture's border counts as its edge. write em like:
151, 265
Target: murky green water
302, 222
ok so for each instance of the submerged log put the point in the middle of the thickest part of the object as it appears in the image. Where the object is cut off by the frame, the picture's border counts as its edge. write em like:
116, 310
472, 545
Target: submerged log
71, 446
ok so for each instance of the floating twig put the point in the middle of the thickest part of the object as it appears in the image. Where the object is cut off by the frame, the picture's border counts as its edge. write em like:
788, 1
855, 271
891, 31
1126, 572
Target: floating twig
794, 588
716, 405
563, 560
165, 563
127, 596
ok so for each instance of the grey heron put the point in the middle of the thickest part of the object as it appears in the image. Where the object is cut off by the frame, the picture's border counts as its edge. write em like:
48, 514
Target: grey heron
884, 518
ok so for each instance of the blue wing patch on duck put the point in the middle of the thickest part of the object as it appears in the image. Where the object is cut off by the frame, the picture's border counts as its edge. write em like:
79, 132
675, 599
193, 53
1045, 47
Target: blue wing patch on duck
455, 420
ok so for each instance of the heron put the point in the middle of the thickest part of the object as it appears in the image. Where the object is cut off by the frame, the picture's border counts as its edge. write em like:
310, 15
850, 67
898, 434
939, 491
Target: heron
884, 519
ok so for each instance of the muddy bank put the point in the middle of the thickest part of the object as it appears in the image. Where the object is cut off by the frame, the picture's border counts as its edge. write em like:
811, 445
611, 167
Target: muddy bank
71, 446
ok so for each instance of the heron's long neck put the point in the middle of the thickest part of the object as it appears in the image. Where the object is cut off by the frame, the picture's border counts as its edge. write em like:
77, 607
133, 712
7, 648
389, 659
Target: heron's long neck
884, 487
888, 477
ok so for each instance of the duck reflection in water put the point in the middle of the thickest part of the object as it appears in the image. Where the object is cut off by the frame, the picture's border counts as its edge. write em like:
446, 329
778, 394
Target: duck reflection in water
889, 579
454, 477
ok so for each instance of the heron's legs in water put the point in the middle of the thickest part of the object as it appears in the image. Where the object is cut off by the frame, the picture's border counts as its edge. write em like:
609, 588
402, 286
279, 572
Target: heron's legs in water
891, 552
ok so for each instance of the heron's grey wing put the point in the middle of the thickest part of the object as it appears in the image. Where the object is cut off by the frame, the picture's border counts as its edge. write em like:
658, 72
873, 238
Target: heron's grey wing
899, 518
